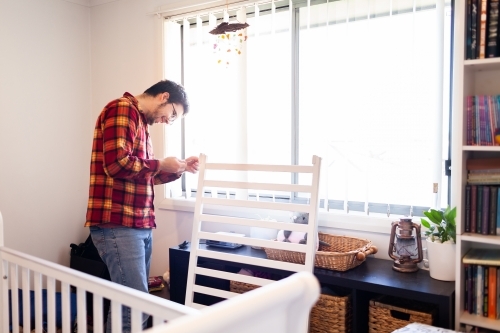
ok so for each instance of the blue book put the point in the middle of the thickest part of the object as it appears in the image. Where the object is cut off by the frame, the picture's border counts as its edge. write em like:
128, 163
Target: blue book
479, 290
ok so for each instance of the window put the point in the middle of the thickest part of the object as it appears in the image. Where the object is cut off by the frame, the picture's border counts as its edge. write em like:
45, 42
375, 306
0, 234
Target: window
361, 83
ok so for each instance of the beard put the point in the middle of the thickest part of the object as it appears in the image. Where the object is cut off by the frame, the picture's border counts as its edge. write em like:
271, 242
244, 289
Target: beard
155, 114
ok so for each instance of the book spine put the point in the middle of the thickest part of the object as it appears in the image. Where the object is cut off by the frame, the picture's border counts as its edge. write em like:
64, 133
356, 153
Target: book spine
474, 29
492, 29
470, 286
498, 293
477, 119
470, 112
492, 292
468, 53
473, 208
498, 212
492, 221
479, 290
479, 209
474, 290
486, 210
482, 28
466, 287
485, 292
467, 208
482, 121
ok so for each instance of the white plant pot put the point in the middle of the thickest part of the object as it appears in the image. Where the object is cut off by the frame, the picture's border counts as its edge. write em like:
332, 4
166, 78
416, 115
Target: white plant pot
441, 258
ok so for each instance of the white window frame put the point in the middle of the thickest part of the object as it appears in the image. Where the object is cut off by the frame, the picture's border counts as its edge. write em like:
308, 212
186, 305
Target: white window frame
337, 219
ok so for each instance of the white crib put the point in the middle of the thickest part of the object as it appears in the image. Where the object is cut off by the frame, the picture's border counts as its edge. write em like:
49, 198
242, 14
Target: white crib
278, 307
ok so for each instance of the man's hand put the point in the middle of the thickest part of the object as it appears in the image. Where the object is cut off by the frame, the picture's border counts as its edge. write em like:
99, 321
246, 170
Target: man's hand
175, 165
172, 165
192, 164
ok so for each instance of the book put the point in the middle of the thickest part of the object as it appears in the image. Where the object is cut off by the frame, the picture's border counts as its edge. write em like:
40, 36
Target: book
467, 208
466, 287
470, 284
498, 293
474, 28
482, 28
479, 290
485, 210
479, 210
498, 213
492, 220
468, 53
492, 292
477, 256
492, 35
486, 290
470, 115
473, 208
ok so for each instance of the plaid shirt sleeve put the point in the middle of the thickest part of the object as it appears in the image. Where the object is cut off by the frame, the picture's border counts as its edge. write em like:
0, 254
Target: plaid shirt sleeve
165, 177
127, 154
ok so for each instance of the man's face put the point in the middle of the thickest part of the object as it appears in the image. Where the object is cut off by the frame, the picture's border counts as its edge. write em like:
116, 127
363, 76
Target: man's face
164, 111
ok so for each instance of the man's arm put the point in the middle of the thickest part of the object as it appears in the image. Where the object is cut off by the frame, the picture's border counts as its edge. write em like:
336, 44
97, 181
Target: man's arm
119, 132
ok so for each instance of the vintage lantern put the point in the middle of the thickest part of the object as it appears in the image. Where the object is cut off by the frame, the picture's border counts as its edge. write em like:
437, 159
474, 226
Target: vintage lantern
404, 249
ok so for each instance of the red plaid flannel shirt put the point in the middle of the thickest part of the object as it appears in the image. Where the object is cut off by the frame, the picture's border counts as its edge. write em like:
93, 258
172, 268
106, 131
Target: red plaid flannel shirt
123, 170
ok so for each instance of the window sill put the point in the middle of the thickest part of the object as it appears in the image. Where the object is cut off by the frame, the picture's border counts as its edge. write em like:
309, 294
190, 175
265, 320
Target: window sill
356, 221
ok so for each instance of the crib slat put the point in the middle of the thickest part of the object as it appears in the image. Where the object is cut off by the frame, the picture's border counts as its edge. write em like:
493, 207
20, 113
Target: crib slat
25, 280
81, 310
51, 305
66, 307
136, 318
37, 283
97, 321
116, 317
14, 286
4, 290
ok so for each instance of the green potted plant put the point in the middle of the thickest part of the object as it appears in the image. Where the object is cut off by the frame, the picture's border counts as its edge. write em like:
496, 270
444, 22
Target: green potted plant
441, 242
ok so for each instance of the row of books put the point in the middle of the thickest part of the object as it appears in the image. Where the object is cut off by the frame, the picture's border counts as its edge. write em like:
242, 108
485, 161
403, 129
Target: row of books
482, 213
483, 120
482, 282
482, 26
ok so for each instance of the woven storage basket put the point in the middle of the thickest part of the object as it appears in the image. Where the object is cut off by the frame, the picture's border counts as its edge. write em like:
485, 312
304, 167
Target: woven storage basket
331, 314
343, 253
387, 314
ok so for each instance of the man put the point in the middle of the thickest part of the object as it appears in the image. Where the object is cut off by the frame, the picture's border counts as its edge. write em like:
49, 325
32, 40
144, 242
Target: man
123, 172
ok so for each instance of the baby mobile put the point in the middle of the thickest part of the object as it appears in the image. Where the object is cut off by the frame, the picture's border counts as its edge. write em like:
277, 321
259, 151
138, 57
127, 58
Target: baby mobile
229, 40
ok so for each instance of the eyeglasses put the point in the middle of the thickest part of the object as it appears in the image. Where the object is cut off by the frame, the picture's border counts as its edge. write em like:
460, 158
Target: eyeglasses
173, 116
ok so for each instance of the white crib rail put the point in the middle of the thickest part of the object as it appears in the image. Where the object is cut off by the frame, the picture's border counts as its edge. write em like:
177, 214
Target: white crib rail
279, 307
40, 272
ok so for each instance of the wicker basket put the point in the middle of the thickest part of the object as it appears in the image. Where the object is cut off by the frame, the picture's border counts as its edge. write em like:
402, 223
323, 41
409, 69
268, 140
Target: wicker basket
343, 253
387, 314
331, 314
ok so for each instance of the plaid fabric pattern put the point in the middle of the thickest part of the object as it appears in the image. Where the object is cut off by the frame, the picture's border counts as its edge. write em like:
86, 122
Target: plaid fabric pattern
123, 170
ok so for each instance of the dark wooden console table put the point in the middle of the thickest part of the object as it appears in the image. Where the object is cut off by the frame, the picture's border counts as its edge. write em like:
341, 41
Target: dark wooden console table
373, 278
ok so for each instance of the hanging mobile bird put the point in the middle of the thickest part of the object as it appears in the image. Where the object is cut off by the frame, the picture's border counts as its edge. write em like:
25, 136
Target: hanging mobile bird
229, 40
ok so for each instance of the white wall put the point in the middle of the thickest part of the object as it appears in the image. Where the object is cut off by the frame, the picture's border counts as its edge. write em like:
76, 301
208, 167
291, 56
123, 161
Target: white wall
44, 124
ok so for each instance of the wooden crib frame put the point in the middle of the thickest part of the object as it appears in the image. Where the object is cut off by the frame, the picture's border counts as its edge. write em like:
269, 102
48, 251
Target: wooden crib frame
280, 307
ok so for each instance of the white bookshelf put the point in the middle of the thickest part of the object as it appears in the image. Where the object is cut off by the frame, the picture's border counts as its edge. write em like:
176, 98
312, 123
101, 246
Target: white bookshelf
470, 77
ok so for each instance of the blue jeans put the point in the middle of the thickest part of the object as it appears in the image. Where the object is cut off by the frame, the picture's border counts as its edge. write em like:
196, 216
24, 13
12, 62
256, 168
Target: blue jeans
127, 254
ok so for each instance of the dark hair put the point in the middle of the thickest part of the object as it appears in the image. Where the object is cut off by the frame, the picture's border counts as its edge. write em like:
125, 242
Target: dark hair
176, 91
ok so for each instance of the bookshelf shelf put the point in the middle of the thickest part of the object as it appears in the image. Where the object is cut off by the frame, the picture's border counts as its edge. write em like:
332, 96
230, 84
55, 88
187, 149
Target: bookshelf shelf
475, 320
482, 64
470, 78
480, 239
482, 148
